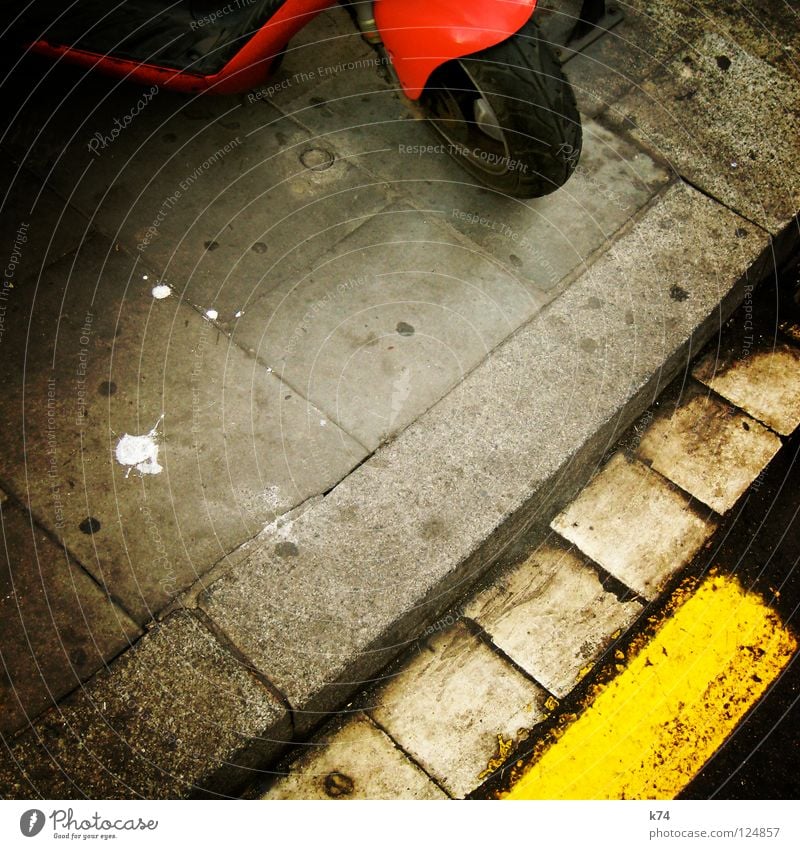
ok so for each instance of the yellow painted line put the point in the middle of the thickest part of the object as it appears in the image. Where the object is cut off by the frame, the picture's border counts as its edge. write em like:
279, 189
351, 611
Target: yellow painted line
650, 730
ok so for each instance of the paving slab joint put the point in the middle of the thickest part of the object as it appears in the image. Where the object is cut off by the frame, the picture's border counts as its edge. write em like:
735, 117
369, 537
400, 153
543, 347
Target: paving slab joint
409, 756
7, 493
228, 647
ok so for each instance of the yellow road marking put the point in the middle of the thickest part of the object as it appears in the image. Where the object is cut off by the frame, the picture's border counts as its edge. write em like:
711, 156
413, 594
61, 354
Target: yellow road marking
650, 730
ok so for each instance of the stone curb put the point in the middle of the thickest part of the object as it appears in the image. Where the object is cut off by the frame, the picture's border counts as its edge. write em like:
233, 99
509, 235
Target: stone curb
175, 716
329, 598
332, 597
456, 708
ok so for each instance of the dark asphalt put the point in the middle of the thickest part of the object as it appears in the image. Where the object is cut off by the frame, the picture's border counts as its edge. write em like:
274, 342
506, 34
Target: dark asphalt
760, 543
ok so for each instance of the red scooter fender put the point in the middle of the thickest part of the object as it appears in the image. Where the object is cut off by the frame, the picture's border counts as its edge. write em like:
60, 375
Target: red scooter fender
421, 35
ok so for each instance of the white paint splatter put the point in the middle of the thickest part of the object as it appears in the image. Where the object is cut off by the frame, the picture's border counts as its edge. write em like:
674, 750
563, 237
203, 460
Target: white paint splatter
140, 452
161, 291
212, 315
238, 313
144, 277
322, 423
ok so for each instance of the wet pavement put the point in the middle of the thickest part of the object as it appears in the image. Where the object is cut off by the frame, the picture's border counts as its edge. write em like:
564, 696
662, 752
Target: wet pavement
317, 292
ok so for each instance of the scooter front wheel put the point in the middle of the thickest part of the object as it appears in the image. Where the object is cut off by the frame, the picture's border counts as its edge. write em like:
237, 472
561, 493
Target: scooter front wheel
508, 115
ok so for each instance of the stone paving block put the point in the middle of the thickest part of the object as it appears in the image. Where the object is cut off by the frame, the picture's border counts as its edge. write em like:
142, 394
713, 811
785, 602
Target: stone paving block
404, 535
387, 323
452, 702
57, 627
726, 121
358, 761
551, 616
709, 449
93, 356
175, 714
763, 381
637, 527
652, 30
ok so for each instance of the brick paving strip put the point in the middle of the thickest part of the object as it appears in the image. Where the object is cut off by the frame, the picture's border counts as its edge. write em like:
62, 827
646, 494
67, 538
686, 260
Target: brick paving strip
475, 692
256, 656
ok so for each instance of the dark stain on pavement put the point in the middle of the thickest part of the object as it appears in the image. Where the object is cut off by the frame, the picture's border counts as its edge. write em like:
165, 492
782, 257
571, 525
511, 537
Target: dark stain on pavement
90, 525
678, 293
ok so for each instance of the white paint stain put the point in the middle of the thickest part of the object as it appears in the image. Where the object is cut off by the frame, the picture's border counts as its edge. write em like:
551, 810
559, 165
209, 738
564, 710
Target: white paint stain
161, 291
212, 315
140, 452
238, 313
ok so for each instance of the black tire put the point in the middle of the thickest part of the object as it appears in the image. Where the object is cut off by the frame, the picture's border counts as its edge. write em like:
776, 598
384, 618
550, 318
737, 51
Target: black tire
524, 101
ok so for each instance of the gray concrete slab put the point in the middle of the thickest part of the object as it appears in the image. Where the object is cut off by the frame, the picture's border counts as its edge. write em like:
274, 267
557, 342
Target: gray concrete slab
223, 197
540, 240
727, 122
413, 526
654, 30
57, 627
38, 226
93, 356
389, 321
177, 715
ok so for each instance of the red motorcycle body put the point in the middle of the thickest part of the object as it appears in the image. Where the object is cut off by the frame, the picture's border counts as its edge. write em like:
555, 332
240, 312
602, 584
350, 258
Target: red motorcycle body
419, 35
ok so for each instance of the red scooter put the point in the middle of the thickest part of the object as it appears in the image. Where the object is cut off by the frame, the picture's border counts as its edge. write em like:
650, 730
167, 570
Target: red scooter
479, 70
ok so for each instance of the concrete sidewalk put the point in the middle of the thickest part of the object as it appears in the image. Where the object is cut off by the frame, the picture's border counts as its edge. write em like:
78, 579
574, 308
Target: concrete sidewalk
367, 378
